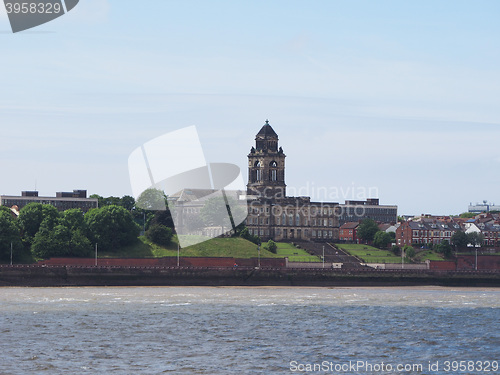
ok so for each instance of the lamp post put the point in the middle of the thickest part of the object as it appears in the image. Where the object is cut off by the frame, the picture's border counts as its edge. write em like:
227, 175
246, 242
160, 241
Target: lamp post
258, 249
96, 253
402, 255
323, 256
258, 225
476, 259
178, 252
11, 253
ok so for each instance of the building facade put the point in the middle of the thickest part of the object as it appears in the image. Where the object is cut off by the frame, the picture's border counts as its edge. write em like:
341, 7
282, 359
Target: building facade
353, 211
272, 214
349, 232
425, 231
62, 201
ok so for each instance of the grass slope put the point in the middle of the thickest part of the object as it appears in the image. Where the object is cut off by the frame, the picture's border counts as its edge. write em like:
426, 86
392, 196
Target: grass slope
294, 254
370, 254
217, 247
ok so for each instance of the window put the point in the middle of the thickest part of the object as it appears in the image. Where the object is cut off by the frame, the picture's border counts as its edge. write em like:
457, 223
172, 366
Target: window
297, 220
274, 175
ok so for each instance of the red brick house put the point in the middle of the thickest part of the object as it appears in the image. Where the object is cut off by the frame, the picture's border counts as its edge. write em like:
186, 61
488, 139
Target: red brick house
349, 232
426, 231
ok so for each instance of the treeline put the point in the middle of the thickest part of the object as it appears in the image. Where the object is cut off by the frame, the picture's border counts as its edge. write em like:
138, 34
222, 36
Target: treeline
41, 231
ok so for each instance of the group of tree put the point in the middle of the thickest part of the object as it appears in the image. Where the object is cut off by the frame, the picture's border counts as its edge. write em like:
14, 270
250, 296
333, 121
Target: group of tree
461, 240
369, 231
45, 232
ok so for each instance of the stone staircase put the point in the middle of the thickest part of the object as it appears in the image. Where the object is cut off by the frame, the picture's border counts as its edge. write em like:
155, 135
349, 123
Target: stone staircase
332, 253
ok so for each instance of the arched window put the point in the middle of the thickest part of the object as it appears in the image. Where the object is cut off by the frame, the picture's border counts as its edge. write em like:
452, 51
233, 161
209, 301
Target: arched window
258, 172
273, 175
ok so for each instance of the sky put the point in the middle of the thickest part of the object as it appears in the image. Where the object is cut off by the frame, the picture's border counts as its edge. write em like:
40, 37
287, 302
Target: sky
388, 99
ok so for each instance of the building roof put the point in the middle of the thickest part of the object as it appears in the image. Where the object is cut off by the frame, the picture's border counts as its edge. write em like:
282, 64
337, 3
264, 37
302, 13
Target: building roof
267, 131
433, 225
351, 225
189, 195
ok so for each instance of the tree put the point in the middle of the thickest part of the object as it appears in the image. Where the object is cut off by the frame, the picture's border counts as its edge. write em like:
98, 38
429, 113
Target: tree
409, 252
152, 199
475, 239
111, 227
396, 250
33, 215
159, 234
30, 218
367, 229
215, 213
459, 239
9, 233
444, 248
164, 218
73, 219
382, 239
271, 246
467, 215
244, 233
127, 202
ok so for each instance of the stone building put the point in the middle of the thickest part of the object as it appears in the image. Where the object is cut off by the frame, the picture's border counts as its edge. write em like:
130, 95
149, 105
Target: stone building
62, 201
273, 215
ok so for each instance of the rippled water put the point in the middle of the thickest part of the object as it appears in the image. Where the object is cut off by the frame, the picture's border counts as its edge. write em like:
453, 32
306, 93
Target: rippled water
243, 330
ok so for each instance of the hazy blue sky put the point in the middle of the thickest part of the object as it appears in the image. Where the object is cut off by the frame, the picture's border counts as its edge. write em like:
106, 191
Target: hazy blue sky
397, 96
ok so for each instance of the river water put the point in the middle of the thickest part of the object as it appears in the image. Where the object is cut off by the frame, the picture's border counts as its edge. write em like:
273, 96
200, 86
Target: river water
205, 330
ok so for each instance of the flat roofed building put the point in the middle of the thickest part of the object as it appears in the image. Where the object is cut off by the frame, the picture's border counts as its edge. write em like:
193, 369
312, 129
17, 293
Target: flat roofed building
353, 211
62, 201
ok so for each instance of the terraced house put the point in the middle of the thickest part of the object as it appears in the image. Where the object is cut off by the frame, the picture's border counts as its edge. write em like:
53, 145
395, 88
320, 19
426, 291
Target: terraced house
426, 231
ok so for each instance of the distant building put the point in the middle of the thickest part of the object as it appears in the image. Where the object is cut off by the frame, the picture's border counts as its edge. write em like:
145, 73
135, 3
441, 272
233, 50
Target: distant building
426, 230
486, 224
271, 213
349, 232
62, 201
370, 209
483, 207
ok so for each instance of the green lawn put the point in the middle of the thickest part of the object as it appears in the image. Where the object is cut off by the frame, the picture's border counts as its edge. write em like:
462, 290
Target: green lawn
294, 254
217, 247
370, 254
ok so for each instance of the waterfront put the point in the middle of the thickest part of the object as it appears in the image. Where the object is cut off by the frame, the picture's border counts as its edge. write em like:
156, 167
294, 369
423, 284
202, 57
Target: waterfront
207, 330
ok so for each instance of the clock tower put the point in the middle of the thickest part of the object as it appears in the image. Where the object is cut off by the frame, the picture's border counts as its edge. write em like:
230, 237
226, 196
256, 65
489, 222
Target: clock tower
266, 165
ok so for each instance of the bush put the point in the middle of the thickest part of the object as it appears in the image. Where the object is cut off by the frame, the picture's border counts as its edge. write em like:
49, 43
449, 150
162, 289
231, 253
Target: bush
271, 246
249, 237
396, 250
159, 234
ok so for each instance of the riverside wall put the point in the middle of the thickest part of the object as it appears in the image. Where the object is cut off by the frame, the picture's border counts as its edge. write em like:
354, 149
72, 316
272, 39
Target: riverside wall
47, 276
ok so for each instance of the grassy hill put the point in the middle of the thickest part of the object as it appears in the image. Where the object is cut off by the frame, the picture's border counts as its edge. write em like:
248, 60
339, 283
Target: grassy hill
370, 254
294, 254
217, 247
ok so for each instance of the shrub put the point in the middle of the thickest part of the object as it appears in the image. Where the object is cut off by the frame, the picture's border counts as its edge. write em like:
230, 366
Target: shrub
159, 234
